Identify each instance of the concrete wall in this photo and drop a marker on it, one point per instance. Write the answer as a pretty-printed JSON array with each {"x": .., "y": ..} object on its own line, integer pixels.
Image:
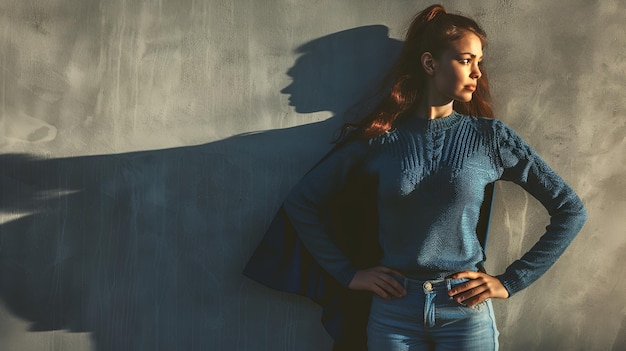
[{"x": 146, "y": 144}]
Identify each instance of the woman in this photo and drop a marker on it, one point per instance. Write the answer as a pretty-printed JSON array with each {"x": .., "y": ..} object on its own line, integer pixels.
[{"x": 431, "y": 158}]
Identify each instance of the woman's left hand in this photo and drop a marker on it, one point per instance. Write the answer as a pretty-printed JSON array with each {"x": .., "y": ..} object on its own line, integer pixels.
[{"x": 480, "y": 287}]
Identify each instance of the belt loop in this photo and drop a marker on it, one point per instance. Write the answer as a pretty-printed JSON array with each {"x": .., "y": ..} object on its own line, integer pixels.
[{"x": 405, "y": 283}]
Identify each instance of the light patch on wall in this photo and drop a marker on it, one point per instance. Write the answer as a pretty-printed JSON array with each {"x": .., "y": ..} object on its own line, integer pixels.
[
  {"x": 6, "y": 217},
  {"x": 28, "y": 129},
  {"x": 54, "y": 194}
]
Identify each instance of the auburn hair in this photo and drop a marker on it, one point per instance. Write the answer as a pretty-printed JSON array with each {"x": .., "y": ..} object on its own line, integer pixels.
[{"x": 404, "y": 86}]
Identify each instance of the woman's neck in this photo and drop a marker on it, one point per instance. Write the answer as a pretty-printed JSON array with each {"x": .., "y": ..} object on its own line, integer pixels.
[{"x": 433, "y": 111}]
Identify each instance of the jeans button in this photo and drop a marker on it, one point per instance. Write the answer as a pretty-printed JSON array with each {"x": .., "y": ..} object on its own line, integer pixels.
[{"x": 428, "y": 286}]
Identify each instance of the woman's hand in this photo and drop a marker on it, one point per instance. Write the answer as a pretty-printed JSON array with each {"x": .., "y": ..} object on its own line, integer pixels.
[
  {"x": 379, "y": 281},
  {"x": 480, "y": 287}
]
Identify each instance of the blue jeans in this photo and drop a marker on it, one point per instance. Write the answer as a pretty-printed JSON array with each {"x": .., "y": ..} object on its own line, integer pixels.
[{"x": 428, "y": 319}]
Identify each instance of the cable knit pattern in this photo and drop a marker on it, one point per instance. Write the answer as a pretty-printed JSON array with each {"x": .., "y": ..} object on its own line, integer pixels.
[{"x": 431, "y": 179}]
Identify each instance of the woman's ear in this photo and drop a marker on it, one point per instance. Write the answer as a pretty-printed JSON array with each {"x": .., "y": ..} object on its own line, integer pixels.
[{"x": 428, "y": 63}]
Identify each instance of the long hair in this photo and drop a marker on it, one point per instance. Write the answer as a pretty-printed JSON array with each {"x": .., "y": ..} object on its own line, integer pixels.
[{"x": 404, "y": 87}]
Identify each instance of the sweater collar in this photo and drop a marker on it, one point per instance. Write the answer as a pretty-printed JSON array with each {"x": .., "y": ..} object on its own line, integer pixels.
[{"x": 433, "y": 125}]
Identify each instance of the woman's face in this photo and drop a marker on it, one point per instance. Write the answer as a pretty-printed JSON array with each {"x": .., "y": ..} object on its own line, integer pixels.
[{"x": 457, "y": 70}]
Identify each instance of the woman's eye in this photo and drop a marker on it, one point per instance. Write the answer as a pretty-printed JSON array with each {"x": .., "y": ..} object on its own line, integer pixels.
[{"x": 465, "y": 61}]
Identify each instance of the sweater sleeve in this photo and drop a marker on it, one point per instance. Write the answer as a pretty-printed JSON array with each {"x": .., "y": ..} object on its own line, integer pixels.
[
  {"x": 304, "y": 207},
  {"x": 521, "y": 164}
]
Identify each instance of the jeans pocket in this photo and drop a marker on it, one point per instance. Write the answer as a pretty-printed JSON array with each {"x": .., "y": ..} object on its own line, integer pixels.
[
  {"x": 453, "y": 311},
  {"x": 477, "y": 307}
]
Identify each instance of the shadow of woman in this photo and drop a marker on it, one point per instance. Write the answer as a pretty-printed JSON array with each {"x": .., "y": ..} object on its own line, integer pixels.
[{"x": 145, "y": 249}]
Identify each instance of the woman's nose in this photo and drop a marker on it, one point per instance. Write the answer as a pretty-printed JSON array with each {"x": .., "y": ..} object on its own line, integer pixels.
[{"x": 476, "y": 73}]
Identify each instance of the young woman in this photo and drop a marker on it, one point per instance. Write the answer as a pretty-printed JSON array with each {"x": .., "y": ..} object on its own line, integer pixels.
[{"x": 431, "y": 149}]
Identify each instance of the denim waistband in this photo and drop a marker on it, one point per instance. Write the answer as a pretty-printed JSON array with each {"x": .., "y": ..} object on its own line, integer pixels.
[{"x": 426, "y": 286}]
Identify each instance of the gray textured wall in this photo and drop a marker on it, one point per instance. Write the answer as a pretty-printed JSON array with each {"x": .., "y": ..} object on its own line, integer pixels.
[{"x": 146, "y": 144}]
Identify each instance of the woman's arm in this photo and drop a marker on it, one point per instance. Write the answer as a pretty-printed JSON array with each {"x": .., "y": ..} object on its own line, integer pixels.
[
  {"x": 522, "y": 165},
  {"x": 305, "y": 205},
  {"x": 306, "y": 201}
]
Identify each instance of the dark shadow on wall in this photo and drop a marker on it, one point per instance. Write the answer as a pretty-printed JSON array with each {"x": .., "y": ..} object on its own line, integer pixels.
[{"x": 145, "y": 249}]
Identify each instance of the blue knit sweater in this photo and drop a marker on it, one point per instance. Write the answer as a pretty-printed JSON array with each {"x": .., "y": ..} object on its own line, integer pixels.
[{"x": 431, "y": 179}]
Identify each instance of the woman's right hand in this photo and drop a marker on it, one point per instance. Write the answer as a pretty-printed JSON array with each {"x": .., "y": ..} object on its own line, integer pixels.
[{"x": 379, "y": 281}]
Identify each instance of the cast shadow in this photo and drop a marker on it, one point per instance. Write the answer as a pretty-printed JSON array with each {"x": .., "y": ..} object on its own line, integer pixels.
[{"x": 145, "y": 249}]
